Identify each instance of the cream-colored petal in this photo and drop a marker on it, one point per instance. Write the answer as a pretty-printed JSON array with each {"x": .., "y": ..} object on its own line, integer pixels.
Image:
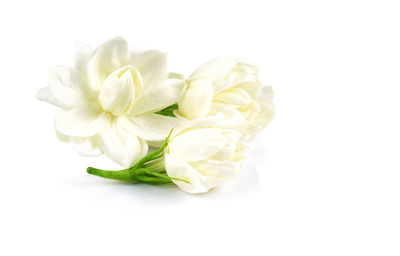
[
  {"x": 66, "y": 87},
  {"x": 244, "y": 66},
  {"x": 266, "y": 107},
  {"x": 159, "y": 97},
  {"x": 217, "y": 168},
  {"x": 233, "y": 118},
  {"x": 206, "y": 122},
  {"x": 215, "y": 69},
  {"x": 80, "y": 122},
  {"x": 196, "y": 101},
  {"x": 251, "y": 111},
  {"x": 236, "y": 97},
  {"x": 151, "y": 127},
  {"x": 178, "y": 168},
  {"x": 232, "y": 80},
  {"x": 230, "y": 113},
  {"x": 122, "y": 145},
  {"x": 152, "y": 65},
  {"x": 197, "y": 144},
  {"x": 62, "y": 137},
  {"x": 86, "y": 146},
  {"x": 82, "y": 56},
  {"x": 45, "y": 94},
  {"x": 118, "y": 91},
  {"x": 252, "y": 87},
  {"x": 105, "y": 59},
  {"x": 226, "y": 152}
]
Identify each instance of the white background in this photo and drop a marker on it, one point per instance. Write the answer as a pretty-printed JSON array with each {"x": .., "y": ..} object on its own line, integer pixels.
[{"x": 322, "y": 179}]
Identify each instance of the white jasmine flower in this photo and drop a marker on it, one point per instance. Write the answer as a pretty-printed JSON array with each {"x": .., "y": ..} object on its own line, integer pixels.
[
  {"x": 231, "y": 87},
  {"x": 203, "y": 154},
  {"x": 109, "y": 100}
]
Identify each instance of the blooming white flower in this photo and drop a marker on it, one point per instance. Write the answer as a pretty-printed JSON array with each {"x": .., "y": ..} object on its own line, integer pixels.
[
  {"x": 203, "y": 154},
  {"x": 109, "y": 100},
  {"x": 231, "y": 87}
]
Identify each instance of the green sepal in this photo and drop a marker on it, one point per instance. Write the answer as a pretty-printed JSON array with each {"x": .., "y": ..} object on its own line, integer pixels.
[
  {"x": 150, "y": 169},
  {"x": 168, "y": 111}
]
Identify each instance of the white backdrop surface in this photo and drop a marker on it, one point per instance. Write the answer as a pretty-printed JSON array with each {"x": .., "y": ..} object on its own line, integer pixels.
[{"x": 322, "y": 179}]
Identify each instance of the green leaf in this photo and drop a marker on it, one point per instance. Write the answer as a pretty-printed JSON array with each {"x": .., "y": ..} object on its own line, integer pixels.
[{"x": 168, "y": 111}]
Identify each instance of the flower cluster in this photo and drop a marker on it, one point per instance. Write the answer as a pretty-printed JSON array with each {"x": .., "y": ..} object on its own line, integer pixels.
[{"x": 125, "y": 104}]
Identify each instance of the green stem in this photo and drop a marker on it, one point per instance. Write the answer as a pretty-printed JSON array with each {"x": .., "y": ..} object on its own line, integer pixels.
[
  {"x": 156, "y": 154},
  {"x": 162, "y": 175},
  {"x": 156, "y": 165},
  {"x": 150, "y": 169},
  {"x": 123, "y": 175},
  {"x": 154, "y": 180}
]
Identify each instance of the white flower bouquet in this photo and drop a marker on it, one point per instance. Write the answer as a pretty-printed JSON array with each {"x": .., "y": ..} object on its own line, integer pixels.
[{"x": 125, "y": 104}]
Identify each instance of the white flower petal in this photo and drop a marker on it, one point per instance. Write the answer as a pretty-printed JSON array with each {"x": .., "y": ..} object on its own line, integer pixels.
[
  {"x": 86, "y": 146},
  {"x": 196, "y": 101},
  {"x": 229, "y": 112},
  {"x": 252, "y": 88},
  {"x": 208, "y": 122},
  {"x": 266, "y": 107},
  {"x": 233, "y": 118},
  {"x": 62, "y": 137},
  {"x": 232, "y": 80},
  {"x": 266, "y": 93},
  {"x": 215, "y": 69},
  {"x": 81, "y": 123},
  {"x": 159, "y": 97},
  {"x": 217, "y": 168},
  {"x": 239, "y": 98},
  {"x": 226, "y": 152},
  {"x": 197, "y": 144},
  {"x": 46, "y": 95},
  {"x": 152, "y": 65},
  {"x": 118, "y": 91},
  {"x": 244, "y": 66},
  {"x": 82, "y": 55},
  {"x": 178, "y": 168},
  {"x": 66, "y": 87},
  {"x": 152, "y": 127},
  {"x": 105, "y": 59},
  {"x": 122, "y": 145}
]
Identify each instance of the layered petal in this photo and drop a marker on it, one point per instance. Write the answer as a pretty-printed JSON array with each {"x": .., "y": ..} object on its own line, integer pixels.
[
  {"x": 86, "y": 146},
  {"x": 62, "y": 137},
  {"x": 230, "y": 113},
  {"x": 206, "y": 157},
  {"x": 237, "y": 94},
  {"x": 196, "y": 101},
  {"x": 159, "y": 97},
  {"x": 81, "y": 122},
  {"x": 82, "y": 56},
  {"x": 217, "y": 169},
  {"x": 232, "y": 80},
  {"x": 151, "y": 127},
  {"x": 122, "y": 145},
  {"x": 178, "y": 168},
  {"x": 234, "y": 96},
  {"x": 106, "y": 59},
  {"x": 252, "y": 88},
  {"x": 206, "y": 122},
  {"x": 119, "y": 90},
  {"x": 152, "y": 65},
  {"x": 215, "y": 69},
  {"x": 267, "y": 108},
  {"x": 197, "y": 144},
  {"x": 46, "y": 95},
  {"x": 66, "y": 87}
]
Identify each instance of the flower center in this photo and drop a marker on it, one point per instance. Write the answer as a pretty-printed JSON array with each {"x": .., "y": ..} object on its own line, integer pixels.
[{"x": 120, "y": 90}]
